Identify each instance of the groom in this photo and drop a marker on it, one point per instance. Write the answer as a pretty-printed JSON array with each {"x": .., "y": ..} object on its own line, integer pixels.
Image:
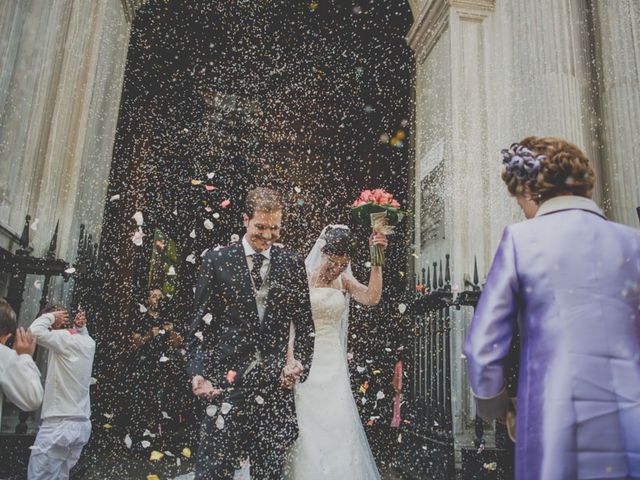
[{"x": 246, "y": 299}]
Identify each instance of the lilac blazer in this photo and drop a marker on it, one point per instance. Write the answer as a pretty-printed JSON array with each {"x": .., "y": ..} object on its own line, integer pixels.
[{"x": 571, "y": 280}]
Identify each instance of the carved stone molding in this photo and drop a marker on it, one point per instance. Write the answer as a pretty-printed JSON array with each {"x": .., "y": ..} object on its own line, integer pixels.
[{"x": 434, "y": 17}]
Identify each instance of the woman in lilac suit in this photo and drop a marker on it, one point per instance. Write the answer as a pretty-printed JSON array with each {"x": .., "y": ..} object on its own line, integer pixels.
[{"x": 570, "y": 280}]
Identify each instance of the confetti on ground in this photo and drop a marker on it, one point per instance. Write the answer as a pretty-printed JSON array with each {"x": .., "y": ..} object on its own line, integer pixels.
[{"x": 155, "y": 456}]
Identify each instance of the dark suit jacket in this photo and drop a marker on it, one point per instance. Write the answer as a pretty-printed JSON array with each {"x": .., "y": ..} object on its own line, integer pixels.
[{"x": 234, "y": 334}]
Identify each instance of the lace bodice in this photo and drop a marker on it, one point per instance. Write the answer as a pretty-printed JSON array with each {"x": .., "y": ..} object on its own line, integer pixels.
[{"x": 328, "y": 306}]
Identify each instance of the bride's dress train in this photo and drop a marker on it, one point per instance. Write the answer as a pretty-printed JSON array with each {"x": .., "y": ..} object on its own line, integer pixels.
[{"x": 332, "y": 443}]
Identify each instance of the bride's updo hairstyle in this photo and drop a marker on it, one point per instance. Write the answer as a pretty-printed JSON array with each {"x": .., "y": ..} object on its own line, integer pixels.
[
  {"x": 339, "y": 242},
  {"x": 547, "y": 167}
]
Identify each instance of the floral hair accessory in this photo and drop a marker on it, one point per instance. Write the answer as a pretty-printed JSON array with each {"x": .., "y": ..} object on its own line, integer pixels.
[{"x": 522, "y": 162}]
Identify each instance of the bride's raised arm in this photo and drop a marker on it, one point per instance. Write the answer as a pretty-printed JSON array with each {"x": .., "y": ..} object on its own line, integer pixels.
[{"x": 367, "y": 294}]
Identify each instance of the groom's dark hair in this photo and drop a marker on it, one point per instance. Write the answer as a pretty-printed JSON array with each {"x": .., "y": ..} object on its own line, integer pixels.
[{"x": 262, "y": 199}]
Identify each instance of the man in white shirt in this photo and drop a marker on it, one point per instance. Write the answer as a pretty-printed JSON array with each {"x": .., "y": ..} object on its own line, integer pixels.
[
  {"x": 66, "y": 409},
  {"x": 19, "y": 376}
]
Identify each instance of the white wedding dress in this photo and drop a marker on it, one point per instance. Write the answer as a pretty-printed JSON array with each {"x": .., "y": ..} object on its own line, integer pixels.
[{"x": 332, "y": 444}]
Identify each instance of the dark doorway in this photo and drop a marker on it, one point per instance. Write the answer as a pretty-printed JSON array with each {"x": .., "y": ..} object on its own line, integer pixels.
[{"x": 312, "y": 98}]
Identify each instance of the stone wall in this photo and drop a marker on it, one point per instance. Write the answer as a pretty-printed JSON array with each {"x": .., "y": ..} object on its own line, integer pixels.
[
  {"x": 490, "y": 72},
  {"x": 60, "y": 86}
]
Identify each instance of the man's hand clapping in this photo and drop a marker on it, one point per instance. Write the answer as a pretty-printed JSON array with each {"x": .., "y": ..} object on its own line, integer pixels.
[
  {"x": 60, "y": 319},
  {"x": 24, "y": 343}
]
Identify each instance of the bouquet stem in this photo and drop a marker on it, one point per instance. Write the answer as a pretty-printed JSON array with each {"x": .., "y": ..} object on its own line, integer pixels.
[{"x": 377, "y": 255}]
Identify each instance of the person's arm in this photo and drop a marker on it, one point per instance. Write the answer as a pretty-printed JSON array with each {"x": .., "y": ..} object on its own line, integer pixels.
[
  {"x": 55, "y": 340},
  {"x": 489, "y": 338},
  {"x": 20, "y": 379},
  {"x": 367, "y": 294}
]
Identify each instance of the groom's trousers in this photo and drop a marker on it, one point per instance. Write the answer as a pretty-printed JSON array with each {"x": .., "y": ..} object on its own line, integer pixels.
[{"x": 250, "y": 430}]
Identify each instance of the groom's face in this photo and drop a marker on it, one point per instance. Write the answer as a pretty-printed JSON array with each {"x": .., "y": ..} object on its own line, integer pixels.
[{"x": 263, "y": 229}]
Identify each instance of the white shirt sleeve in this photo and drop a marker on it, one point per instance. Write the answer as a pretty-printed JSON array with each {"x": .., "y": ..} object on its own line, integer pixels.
[
  {"x": 55, "y": 340},
  {"x": 20, "y": 379}
]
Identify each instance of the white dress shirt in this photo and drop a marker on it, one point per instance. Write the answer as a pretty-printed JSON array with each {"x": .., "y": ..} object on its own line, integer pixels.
[
  {"x": 19, "y": 380},
  {"x": 249, "y": 251},
  {"x": 66, "y": 389}
]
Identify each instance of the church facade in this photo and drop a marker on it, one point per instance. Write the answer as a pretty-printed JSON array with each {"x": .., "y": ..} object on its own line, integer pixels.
[{"x": 487, "y": 73}]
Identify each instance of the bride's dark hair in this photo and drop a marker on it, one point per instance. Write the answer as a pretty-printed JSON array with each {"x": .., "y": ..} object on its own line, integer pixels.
[{"x": 339, "y": 242}]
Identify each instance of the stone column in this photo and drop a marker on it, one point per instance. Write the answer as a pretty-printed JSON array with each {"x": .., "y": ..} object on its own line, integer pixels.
[
  {"x": 452, "y": 94},
  {"x": 60, "y": 87},
  {"x": 617, "y": 24}
]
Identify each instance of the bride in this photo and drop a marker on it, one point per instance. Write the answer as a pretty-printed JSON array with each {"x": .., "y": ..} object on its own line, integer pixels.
[{"x": 332, "y": 443}]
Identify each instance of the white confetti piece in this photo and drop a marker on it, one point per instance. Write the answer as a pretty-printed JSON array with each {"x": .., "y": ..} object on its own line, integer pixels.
[
  {"x": 193, "y": 233},
  {"x": 259, "y": 400},
  {"x": 127, "y": 441},
  {"x": 225, "y": 408},
  {"x": 297, "y": 189},
  {"x": 212, "y": 410},
  {"x": 108, "y": 416},
  {"x": 93, "y": 381},
  {"x": 70, "y": 270},
  {"x": 168, "y": 453},
  {"x": 380, "y": 395},
  {"x": 164, "y": 359},
  {"x": 363, "y": 400},
  {"x": 145, "y": 443},
  {"x": 172, "y": 271},
  {"x": 147, "y": 433},
  {"x": 191, "y": 258},
  {"x": 199, "y": 336},
  {"x": 138, "y": 218},
  {"x": 220, "y": 422},
  {"x": 142, "y": 308},
  {"x": 402, "y": 308},
  {"x": 210, "y": 175},
  {"x": 38, "y": 284},
  {"x": 114, "y": 197},
  {"x": 207, "y": 318},
  {"x": 361, "y": 369},
  {"x": 208, "y": 224},
  {"x": 166, "y": 416},
  {"x": 216, "y": 215}
]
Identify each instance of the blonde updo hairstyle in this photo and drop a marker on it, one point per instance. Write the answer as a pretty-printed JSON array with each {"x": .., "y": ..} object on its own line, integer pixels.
[{"x": 564, "y": 170}]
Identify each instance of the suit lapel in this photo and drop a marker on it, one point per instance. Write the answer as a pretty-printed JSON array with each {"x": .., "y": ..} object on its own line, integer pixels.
[{"x": 242, "y": 284}]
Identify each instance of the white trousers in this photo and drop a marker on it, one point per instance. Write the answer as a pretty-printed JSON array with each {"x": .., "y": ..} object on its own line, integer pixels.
[{"x": 57, "y": 448}]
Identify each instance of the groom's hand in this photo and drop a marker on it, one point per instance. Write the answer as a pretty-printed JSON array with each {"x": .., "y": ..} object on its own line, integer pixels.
[{"x": 291, "y": 373}]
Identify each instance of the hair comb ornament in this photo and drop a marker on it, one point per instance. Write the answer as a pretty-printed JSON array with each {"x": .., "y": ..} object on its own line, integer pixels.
[{"x": 522, "y": 162}]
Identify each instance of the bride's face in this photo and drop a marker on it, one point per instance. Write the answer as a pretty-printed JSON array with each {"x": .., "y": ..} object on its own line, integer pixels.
[{"x": 333, "y": 265}]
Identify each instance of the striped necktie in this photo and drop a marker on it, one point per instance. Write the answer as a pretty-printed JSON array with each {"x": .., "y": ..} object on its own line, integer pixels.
[{"x": 258, "y": 259}]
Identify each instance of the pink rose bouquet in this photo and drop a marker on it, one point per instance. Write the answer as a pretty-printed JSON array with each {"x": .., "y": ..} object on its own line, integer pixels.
[{"x": 380, "y": 211}]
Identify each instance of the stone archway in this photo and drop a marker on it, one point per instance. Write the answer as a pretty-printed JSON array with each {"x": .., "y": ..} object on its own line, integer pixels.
[{"x": 299, "y": 100}]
